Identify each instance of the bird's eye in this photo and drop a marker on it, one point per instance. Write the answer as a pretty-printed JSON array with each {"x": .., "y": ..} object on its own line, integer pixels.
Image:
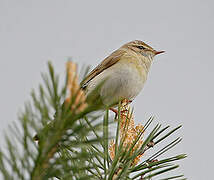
[{"x": 141, "y": 47}]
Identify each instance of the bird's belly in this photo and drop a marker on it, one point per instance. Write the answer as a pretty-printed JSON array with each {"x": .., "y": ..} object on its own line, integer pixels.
[{"x": 122, "y": 81}]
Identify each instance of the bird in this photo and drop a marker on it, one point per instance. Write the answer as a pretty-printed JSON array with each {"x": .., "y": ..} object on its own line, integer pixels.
[{"x": 122, "y": 74}]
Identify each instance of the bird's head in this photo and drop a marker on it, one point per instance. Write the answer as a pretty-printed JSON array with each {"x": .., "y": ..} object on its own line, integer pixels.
[{"x": 141, "y": 48}]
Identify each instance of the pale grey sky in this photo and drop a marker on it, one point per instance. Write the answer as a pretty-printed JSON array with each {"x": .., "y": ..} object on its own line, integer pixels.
[{"x": 180, "y": 86}]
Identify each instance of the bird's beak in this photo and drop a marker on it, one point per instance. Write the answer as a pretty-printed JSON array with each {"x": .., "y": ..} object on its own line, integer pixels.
[{"x": 158, "y": 52}]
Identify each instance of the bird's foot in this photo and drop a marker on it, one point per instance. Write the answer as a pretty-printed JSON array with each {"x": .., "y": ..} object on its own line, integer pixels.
[{"x": 122, "y": 113}]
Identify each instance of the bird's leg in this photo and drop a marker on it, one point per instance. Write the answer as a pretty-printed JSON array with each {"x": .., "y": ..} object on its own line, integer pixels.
[
  {"x": 116, "y": 112},
  {"x": 124, "y": 104}
]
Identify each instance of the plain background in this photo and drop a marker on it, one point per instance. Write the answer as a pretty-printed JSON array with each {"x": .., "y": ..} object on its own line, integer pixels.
[{"x": 180, "y": 86}]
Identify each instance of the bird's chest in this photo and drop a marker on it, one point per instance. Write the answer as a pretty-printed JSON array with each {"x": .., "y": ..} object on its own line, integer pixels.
[{"x": 124, "y": 80}]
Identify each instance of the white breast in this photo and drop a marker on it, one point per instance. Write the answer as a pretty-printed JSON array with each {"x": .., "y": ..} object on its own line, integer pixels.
[{"x": 122, "y": 81}]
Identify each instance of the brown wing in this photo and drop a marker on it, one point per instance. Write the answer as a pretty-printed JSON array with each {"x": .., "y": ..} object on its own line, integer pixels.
[{"x": 107, "y": 62}]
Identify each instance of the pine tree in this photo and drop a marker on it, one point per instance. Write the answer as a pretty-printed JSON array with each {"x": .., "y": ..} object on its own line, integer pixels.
[{"x": 75, "y": 138}]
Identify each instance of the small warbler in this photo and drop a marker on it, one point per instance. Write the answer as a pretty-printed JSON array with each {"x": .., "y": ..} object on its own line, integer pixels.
[{"x": 123, "y": 73}]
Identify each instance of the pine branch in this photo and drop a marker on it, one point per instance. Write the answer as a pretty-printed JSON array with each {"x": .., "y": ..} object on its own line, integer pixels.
[{"x": 75, "y": 143}]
